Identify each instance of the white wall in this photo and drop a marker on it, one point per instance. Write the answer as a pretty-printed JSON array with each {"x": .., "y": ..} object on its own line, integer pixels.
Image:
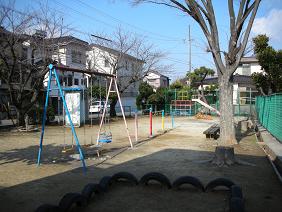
[
  {"x": 127, "y": 67},
  {"x": 255, "y": 67},
  {"x": 65, "y": 58}
]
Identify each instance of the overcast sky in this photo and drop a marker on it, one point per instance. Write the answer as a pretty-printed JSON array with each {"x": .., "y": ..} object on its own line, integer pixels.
[{"x": 165, "y": 27}]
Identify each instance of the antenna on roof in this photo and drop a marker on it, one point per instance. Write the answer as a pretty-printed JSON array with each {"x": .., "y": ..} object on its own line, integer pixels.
[{"x": 96, "y": 36}]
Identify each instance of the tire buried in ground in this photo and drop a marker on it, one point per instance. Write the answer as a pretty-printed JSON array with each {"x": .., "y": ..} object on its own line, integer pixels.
[
  {"x": 188, "y": 180},
  {"x": 71, "y": 200},
  {"x": 162, "y": 179},
  {"x": 219, "y": 182},
  {"x": 105, "y": 183},
  {"x": 125, "y": 176},
  {"x": 90, "y": 189},
  {"x": 236, "y": 205},
  {"x": 48, "y": 208},
  {"x": 236, "y": 191}
]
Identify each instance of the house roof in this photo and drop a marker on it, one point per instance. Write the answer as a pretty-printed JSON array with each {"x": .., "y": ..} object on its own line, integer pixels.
[
  {"x": 64, "y": 40},
  {"x": 248, "y": 60},
  {"x": 115, "y": 52},
  {"x": 240, "y": 79},
  {"x": 157, "y": 73}
]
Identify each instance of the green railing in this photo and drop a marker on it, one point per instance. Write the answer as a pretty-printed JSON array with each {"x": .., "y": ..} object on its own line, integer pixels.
[{"x": 269, "y": 113}]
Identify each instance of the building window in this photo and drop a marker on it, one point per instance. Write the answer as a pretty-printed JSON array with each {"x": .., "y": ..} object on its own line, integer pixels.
[
  {"x": 65, "y": 82},
  {"x": 69, "y": 80},
  {"x": 76, "y": 82},
  {"x": 76, "y": 56},
  {"x": 246, "y": 69},
  {"x": 61, "y": 80},
  {"x": 164, "y": 83},
  {"x": 107, "y": 63}
]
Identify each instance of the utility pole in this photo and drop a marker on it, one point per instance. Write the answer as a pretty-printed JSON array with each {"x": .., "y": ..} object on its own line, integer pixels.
[{"x": 190, "y": 49}]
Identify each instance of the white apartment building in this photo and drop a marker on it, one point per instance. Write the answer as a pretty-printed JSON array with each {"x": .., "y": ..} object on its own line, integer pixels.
[
  {"x": 108, "y": 60},
  {"x": 70, "y": 52},
  {"x": 243, "y": 84}
]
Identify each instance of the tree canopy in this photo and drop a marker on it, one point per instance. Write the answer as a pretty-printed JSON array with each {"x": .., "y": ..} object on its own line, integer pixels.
[
  {"x": 145, "y": 90},
  {"x": 197, "y": 78},
  {"x": 199, "y": 75},
  {"x": 270, "y": 80}
]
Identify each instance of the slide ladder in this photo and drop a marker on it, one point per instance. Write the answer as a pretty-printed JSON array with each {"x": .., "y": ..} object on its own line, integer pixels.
[{"x": 206, "y": 105}]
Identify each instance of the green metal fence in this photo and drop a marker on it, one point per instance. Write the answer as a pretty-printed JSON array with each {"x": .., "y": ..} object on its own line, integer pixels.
[{"x": 269, "y": 113}]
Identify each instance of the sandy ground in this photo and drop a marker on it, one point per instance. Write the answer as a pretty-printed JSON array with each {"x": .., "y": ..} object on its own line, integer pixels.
[{"x": 24, "y": 186}]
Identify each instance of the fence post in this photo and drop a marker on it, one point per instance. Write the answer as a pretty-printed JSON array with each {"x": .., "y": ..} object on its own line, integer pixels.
[
  {"x": 136, "y": 126},
  {"x": 172, "y": 120},
  {"x": 151, "y": 123},
  {"x": 162, "y": 120}
]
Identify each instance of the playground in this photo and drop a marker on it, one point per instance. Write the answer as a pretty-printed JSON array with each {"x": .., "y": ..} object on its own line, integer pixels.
[
  {"x": 159, "y": 144},
  {"x": 174, "y": 152}
]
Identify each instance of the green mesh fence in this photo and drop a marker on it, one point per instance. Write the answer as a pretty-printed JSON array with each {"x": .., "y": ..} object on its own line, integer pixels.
[{"x": 269, "y": 113}]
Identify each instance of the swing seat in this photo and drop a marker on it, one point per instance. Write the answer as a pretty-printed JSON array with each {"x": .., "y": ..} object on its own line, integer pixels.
[{"x": 105, "y": 137}]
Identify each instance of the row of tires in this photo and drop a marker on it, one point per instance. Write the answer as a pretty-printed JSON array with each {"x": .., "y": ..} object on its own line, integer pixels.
[{"x": 71, "y": 200}]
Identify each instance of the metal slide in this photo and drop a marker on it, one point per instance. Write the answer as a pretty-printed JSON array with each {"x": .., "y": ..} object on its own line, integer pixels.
[{"x": 206, "y": 105}]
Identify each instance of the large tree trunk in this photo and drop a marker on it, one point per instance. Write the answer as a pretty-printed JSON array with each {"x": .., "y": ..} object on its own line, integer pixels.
[
  {"x": 224, "y": 153},
  {"x": 112, "y": 107},
  {"x": 20, "y": 117}
]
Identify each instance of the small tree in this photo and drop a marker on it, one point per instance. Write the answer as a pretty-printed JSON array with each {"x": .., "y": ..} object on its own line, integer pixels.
[
  {"x": 270, "y": 80},
  {"x": 145, "y": 90},
  {"x": 158, "y": 99},
  {"x": 197, "y": 78},
  {"x": 176, "y": 85}
]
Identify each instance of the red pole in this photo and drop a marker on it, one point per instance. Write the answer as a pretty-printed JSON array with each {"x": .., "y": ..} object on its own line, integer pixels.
[{"x": 151, "y": 123}]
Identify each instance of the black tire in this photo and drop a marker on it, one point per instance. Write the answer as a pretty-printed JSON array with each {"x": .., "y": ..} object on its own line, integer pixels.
[
  {"x": 105, "y": 183},
  {"x": 125, "y": 176},
  {"x": 236, "y": 191},
  {"x": 162, "y": 179},
  {"x": 90, "y": 189},
  {"x": 70, "y": 200},
  {"x": 219, "y": 182},
  {"x": 47, "y": 208},
  {"x": 188, "y": 180},
  {"x": 236, "y": 205}
]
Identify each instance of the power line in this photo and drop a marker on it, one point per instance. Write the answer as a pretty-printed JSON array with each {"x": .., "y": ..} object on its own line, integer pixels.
[
  {"x": 91, "y": 18},
  {"x": 126, "y": 23}
]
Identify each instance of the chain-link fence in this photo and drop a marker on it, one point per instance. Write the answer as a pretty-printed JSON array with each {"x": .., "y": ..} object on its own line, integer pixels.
[{"x": 269, "y": 113}]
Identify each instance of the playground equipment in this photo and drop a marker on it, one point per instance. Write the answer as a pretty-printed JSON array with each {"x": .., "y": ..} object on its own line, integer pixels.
[
  {"x": 52, "y": 72},
  {"x": 107, "y": 137},
  {"x": 181, "y": 107},
  {"x": 206, "y": 105},
  {"x": 162, "y": 121},
  {"x": 151, "y": 123},
  {"x": 136, "y": 126}
]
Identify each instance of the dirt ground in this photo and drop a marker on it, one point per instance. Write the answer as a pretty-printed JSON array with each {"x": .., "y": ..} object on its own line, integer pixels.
[{"x": 179, "y": 152}]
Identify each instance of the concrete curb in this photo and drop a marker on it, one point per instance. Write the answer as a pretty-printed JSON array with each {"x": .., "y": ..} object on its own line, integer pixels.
[{"x": 272, "y": 147}]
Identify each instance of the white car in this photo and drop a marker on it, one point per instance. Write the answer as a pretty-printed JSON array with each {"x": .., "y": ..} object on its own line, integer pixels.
[{"x": 97, "y": 107}]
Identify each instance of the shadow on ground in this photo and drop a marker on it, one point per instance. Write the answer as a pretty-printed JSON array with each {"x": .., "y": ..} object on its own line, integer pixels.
[
  {"x": 261, "y": 189},
  {"x": 28, "y": 155}
]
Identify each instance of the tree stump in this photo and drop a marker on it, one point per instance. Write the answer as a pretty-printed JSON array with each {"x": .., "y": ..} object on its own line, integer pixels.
[{"x": 224, "y": 155}]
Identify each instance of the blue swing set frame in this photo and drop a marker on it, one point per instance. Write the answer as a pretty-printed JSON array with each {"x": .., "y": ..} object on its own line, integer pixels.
[{"x": 52, "y": 72}]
